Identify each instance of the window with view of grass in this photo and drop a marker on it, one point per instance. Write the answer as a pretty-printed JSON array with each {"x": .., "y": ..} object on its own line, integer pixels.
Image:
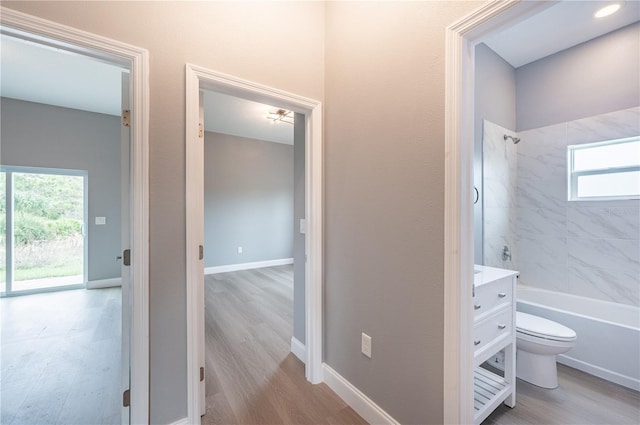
[{"x": 604, "y": 171}]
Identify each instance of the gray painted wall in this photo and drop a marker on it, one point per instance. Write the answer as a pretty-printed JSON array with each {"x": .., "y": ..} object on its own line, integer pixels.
[
  {"x": 592, "y": 78},
  {"x": 38, "y": 135},
  {"x": 495, "y": 100},
  {"x": 248, "y": 200},
  {"x": 384, "y": 194},
  {"x": 299, "y": 257}
]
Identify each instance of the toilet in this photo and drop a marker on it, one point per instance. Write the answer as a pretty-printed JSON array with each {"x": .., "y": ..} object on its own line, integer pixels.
[{"x": 538, "y": 341}]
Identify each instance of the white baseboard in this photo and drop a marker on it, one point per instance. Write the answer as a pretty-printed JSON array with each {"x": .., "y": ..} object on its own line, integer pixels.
[
  {"x": 247, "y": 266},
  {"x": 183, "y": 421},
  {"x": 370, "y": 412},
  {"x": 104, "y": 283},
  {"x": 298, "y": 349},
  {"x": 609, "y": 375}
]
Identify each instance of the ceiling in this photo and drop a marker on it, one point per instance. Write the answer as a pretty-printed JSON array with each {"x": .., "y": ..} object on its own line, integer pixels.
[
  {"x": 558, "y": 27},
  {"x": 52, "y": 76},
  {"x": 44, "y": 74}
]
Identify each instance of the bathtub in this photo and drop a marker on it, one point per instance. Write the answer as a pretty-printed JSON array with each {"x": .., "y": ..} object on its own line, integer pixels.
[{"x": 608, "y": 344}]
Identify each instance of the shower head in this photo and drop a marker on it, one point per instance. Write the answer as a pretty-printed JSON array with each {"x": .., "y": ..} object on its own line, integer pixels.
[{"x": 515, "y": 140}]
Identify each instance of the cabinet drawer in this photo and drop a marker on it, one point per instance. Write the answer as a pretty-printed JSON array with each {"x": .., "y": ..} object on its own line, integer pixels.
[
  {"x": 492, "y": 295},
  {"x": 492, "y": 329}
]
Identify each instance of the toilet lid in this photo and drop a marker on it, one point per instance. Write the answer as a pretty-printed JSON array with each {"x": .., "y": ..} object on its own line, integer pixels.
[{"x": 543, "y": 328}]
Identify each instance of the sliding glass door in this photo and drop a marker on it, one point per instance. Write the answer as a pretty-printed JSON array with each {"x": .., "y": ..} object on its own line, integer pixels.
[{"x": 44, "y": 241}]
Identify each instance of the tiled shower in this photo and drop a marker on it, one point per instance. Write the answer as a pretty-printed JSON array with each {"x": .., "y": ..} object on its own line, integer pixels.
[{"x": 584, "y": 248}]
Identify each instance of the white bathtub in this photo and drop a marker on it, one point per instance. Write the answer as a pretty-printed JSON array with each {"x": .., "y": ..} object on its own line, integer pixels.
[{"x": 608, "y": 342}]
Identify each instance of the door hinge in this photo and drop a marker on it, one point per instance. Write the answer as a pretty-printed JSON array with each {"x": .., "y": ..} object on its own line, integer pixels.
[
  {"x": 200, "y": 252},
  {"x": 126, "y": 257},
  {"x": 126, "y": 398},
  {"x": 200, "y": 130},
  {"x": 126, "y": 117},
  {"x": 201, "y": 374}
]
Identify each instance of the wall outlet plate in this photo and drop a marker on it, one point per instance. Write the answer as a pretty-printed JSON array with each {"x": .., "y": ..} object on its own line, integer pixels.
[
  {"x": 239, "y": 250},
  {"x": 366, "y": 345}
]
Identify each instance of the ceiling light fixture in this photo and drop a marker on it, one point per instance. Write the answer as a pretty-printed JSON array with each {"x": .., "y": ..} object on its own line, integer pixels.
[
  {"x": 607, "y": 10},
  {"x": 281, "y": 115}
]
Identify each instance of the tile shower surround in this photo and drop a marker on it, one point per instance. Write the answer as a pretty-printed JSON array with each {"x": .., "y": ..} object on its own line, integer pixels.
[{"x": 586, "y": 248}]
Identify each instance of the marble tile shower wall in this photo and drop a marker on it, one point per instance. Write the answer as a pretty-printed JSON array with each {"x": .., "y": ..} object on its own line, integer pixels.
[
  {"x": 590, "y": 248},
  {"x": 499, "y": 180}
]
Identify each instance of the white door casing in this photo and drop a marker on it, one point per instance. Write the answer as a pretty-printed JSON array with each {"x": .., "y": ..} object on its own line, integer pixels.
[
  {"x": 125, "y": 143},
  {"x": 42, "y": 31},
  {"x": 198, "y": 78},
  {"x": 201, "y": 331}
]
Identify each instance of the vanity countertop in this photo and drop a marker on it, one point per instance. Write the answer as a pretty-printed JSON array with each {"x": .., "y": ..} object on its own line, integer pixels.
[{"x": 486, "y": 274}]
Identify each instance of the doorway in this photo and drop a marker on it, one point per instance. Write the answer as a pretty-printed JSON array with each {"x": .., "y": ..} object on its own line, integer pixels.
[
  {"x": 485, "y": 25},
  {"x": 58, "y": 38},
  {"x": 203, "y": 79}
]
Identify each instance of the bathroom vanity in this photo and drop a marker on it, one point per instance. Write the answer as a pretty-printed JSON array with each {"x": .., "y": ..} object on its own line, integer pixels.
[{"x": 494, "y": 321}]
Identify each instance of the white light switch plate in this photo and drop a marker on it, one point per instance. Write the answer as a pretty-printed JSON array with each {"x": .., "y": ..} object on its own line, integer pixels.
[
  {"x": 303, "y": 226},
  {"x": 101, "y": 220}
]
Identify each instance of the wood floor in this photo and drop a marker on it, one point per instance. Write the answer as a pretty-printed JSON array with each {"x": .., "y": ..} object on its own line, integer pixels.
[
  {"x": 60, "y": 359},
  {"x": 252, "y": 378},
  {"x": 581, "y": 399}
]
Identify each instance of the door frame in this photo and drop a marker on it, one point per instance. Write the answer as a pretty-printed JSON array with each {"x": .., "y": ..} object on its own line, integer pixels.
[
  {"x": 136, "y": 59},
  {"x": 199, "y": 78},
  {"x": 461, "y": 38}
]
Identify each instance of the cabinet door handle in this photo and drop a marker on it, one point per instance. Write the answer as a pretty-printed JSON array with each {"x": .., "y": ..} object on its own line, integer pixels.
[
  {"x": 502, "y": 326},
  {"x": 502, "y": 294},
  {"x": 476, "y": 342},
  {"x": 477, "y": 306}
]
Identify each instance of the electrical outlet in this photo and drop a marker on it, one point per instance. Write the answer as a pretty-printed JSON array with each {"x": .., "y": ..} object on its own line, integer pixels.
[
  {"x": 239, "y": 250},
  {"x": 366, "y": 345}
]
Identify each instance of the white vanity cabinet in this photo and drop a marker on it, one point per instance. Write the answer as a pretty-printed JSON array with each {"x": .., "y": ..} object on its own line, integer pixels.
[{"x": 494, "y": 321}]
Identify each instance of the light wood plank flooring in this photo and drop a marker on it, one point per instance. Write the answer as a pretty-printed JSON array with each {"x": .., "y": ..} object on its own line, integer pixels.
[
  {"x": 252, "y": 378},
  {"x": 581, "y": 399},
  {"x": 60, "y": 359}
]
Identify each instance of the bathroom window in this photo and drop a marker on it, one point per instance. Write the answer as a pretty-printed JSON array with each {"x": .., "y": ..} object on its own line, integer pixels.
[{"x": 605, "y": 170}]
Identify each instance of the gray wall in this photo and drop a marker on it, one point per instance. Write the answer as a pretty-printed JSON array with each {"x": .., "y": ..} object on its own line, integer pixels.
[
  {"x": 604, "y": 78},
  {"x": 38, "y": 135},
  {"x": 384, "y": 151},
  {"x": 248, "y": 200},
  {"x": 299, "y": 256},
  {"x": 495, "y": 100}
]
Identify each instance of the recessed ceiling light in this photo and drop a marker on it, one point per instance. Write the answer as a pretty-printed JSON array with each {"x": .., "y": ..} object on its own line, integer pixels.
[{"x": 607, "y": 10}]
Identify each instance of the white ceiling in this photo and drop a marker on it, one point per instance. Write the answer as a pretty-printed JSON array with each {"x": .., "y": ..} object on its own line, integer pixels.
[
  {"x": 559, "y": 27},
  {"x": 238, "y": 117},
  {"x": 43, "y": 74},
  {"x": 52, "y": 76}
]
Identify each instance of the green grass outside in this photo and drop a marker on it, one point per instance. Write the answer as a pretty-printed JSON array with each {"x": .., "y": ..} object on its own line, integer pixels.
[{"x": 57, "y": 258}]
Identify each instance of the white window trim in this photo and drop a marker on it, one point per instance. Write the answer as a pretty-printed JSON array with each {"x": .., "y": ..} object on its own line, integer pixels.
[{"x": 572, "y": 176}]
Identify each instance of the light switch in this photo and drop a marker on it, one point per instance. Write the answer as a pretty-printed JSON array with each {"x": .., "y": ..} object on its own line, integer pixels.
[
  {"x": 101, "y": 220},
  {"x": 303, "y": 226}
]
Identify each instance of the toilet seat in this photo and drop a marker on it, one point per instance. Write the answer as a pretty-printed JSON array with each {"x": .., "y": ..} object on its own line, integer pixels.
[{"x": 540, "y": 327}]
